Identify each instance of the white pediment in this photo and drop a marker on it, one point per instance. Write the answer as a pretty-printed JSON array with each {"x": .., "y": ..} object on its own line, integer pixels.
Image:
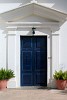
[
  {"x": 32, "y": 14},
  {"x": 31, "y": 9}
]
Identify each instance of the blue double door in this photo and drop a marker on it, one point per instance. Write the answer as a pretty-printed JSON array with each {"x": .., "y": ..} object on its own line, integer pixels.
[{"x": 33, "y": 60}]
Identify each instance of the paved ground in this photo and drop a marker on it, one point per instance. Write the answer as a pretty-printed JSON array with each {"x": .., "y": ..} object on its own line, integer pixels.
[{"x": 33, "y": 94}]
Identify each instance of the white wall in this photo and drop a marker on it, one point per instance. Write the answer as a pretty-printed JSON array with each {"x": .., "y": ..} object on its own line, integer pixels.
[
  {"x": 63, "y": 46},
  {"x": 2, "y": 49}
]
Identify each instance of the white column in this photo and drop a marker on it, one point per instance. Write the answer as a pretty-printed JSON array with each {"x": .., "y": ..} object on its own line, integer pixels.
[
  {"x": 7, "y": 50},
  {"x": 18, "y": 59},
  {"x": 55, "y": 51},
  {"x": 11, "y": 57},
  {"x": 49, "y": 67},
  {"x": 55, "y": 55},
  {"x": 51, "y": 57}
]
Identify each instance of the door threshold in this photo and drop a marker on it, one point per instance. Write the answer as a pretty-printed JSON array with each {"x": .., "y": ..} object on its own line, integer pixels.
[{"x": 33, "y": 87}]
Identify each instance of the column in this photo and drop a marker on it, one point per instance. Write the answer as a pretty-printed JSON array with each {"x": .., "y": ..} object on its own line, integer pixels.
[{"x": 11, "y": 56}]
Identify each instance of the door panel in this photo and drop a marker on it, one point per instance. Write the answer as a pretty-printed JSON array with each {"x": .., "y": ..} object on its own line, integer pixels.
[
  {"x": 26, "y": 62},
  {"x": 40, "y": 79},
  {"x": 26, "y": 79},
  {"x": 40, "y": 67},
  {"x": 26, "y": 43},
  {"x": 33, "y": 61}
]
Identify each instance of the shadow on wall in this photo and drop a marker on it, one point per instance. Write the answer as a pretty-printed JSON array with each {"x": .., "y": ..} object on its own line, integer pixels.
[
  {"x": 52, "y": 83},
  {"x": 42, "y": 31},
  {"x": 38, "y": 31},
  {"x": 58, "y": 4}
]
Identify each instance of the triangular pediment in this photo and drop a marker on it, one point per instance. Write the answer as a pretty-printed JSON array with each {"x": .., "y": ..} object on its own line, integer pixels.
[
  {"x": 32, "y": 12},
  {"x": 33, "y": 9}
]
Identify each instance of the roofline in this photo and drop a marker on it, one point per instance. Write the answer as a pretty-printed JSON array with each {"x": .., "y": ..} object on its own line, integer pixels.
[
  {"x": 52, "y": 9},
  {"x": 38, "y": 5}
]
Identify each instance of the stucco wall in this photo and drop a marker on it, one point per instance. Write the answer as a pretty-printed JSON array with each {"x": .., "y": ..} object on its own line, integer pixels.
[
  {"x": 2, "y": 49},
  {"x": 63, "y": 46}
]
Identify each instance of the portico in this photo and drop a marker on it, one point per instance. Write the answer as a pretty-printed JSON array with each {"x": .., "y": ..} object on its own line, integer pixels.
[{"x": 19, "y": 23}]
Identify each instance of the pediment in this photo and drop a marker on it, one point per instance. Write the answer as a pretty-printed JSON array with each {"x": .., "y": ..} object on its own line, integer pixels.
[
  {"x": 33, "y": 9},
  {"x": 32, "y": 12}
]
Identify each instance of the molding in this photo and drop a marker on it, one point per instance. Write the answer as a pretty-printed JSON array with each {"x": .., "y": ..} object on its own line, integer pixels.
[
  {"x": 31, "y": 23},
  {"x": 11, "y": 34},
  {"x": 15, "y": 26}
]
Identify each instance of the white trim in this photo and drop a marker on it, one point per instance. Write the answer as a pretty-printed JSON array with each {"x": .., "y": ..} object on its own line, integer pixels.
[
  {"x": 7, "y": 50},
  {"x": 24, "y": 24},
  {"x": 54, "y": 26},
  {"x": 18, "y": 61},
  {"x": 39, "y": 32}
]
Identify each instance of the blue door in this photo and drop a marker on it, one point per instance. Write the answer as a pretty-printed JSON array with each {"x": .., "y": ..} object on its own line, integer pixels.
[{"x": 33, "y": 61}]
